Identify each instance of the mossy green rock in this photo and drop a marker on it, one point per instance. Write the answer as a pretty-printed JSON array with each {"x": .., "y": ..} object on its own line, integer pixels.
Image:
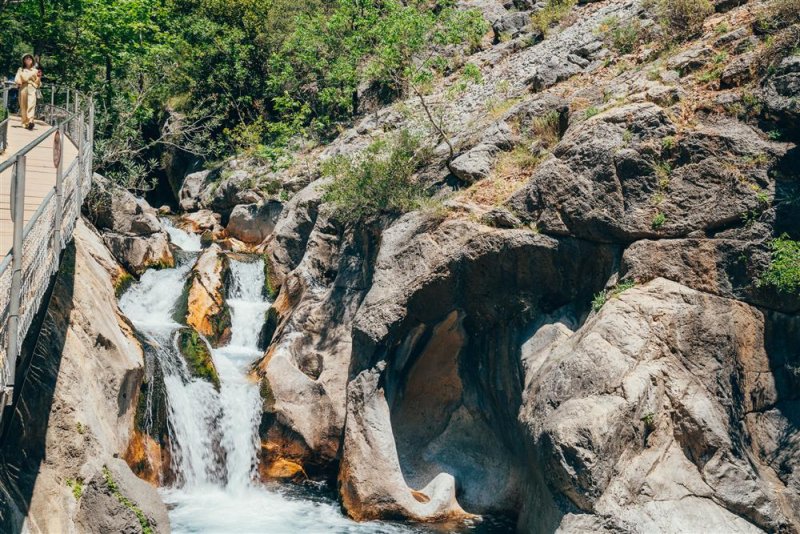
[{"x": 198, "y": 356}]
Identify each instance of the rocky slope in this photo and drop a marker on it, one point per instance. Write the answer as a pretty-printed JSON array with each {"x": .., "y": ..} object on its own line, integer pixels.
[{"x": 450, "y": 361}]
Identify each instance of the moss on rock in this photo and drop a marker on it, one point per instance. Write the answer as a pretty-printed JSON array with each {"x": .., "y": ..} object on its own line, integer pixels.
[
  {"x": 198, "y": 356},
  {"x": 270, "y": 291}
]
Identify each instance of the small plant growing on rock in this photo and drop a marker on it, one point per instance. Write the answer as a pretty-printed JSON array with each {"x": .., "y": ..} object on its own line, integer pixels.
[
  {"x": 591, "y": 112},
  {"x": 126, "y": 502},
  {"x": 683, "y": 19},
  {"x": 668, "y": 143},
  {"x": 658, "y": 220},
  {"x": 553, "y": 12},
  {"x": 649, "y": 420},
  {"x": 783, "y": 272},
  {"x": 604, "y": 296},
  {"x": 663, "y": 171},
  {"x": 622, "y": 37},
  {"x": 547, "y": 128},
  {"x": 76, "y": 485}
]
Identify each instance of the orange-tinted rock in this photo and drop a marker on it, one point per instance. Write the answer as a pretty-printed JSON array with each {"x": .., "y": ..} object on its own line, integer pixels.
[{"x": 206, "y": 309}]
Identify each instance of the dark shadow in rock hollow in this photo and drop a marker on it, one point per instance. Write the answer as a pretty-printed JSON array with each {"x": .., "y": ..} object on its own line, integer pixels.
[{"x": 22, "y": 443}]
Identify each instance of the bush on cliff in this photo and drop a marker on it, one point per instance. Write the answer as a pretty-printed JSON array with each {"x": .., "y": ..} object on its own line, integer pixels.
[
  {"x": 378, "y": 181},
  {"x": 683, "y": 19},
  {"x": 783, "y": 272}
]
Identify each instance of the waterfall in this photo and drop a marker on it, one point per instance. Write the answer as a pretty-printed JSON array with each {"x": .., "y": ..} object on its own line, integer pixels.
[
  {"x": 213, "y": 435},
  {"x": 187, "y": 241}
]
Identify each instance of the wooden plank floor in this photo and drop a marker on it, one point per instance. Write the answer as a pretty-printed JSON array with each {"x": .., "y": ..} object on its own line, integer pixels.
[{"x": 40, "y": 175}]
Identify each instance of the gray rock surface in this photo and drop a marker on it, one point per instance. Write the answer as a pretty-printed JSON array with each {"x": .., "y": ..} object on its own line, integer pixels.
[
  {"x": 253, "y": 223},
  {"x": 76, "y": 411},
  {"x": 130, "y": 226}
]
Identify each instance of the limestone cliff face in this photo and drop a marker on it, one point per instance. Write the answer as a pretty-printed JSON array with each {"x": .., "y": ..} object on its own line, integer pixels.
[
  {"x": 454, "y": 362},
  {"x": 61, "y": 448}
]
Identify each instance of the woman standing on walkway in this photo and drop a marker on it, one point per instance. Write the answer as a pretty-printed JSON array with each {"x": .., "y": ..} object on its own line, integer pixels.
[{"x": 28, "y": 82}]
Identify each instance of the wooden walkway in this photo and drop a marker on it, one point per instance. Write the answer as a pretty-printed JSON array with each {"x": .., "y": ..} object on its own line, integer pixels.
[{"x": 40, "y": 175}]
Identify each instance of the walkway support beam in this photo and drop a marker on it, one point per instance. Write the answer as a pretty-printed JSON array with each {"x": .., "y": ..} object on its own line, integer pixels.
[{"x": 18, "y": 216}]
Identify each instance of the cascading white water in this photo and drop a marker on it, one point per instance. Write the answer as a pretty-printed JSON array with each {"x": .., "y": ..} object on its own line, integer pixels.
[
  {"x": 216, "y": 491},
  {"x": 187, "y": 241}
]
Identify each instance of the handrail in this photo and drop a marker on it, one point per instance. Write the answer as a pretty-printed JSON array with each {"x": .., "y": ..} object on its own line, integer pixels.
[{"x": 25, "y": 272}]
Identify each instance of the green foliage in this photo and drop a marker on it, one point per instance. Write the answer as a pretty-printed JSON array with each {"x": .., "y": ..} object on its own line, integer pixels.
[
  {"x": 553, "y": 12},
  {"x": 378, "y": 181},
  {"x": 649, "y": 420},
  {"x": 126, "y": 502},
  {"x": 599, "y": 299},
  {"x": 591, "y": 112},
  {"x": 683, "y": 19},
  {"x": 76, "y": 485},
  {"x": 658, "y": 220},
  {"x": 232, "y": 76},
  {"x": 783, "y": 272},
  {"x": 623, "y": 37}
]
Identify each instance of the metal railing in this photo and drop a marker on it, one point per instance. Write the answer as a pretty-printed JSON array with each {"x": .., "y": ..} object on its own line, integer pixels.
[{"x": 25, "y": 272}]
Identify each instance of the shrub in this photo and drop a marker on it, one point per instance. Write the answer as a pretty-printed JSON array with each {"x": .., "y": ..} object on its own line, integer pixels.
[
  {"x": 547, "y": 128},
  {"x": 658, "y": 220},
  {"x": 624, "y": 38},
  {"x": 553, "y": 12},
  {"x": 683, "y": 19},
  {"x": 783, "y": 272},
  {"x": 379, "y": 181},
  {"x": 591, "y": 112}
]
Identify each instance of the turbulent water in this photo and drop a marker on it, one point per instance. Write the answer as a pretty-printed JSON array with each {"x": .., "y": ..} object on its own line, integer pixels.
[{"x": 214, "y": 435}]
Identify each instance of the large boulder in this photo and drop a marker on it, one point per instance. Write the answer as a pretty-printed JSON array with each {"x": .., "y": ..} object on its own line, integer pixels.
[
  {"x": 138, "y": 253},
  {"x": 253, "y": 223},
  {"x": 75, "y": 413},
  {"x": 641, "y": 415},
  {"x": 371, "y": 482},
  {"x": 130, "y": 226},
  {"x": 218, "y": 189},
  {"x": 205, "y": 309},
  {"x": 625, "y": 175}
]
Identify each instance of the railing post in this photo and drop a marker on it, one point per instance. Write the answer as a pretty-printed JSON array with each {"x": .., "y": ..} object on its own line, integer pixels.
[
  {"x": 59, "y": 208},
  {"x": 18, "y": 215},
  {"x": 5, "y": 96}
]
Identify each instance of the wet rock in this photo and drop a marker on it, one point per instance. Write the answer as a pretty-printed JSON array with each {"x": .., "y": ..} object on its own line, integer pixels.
[
  {"x": 205, "y": 309},
  {"x": 201, "y": 221},
  {"x": 139, "y": 253},
  {"x": 253, "y": 223},
  {"x": 197, "y": 355}
]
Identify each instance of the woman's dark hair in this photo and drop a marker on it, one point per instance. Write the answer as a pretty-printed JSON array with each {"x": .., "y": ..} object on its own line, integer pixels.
[{"x": 26, "y": 56}]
